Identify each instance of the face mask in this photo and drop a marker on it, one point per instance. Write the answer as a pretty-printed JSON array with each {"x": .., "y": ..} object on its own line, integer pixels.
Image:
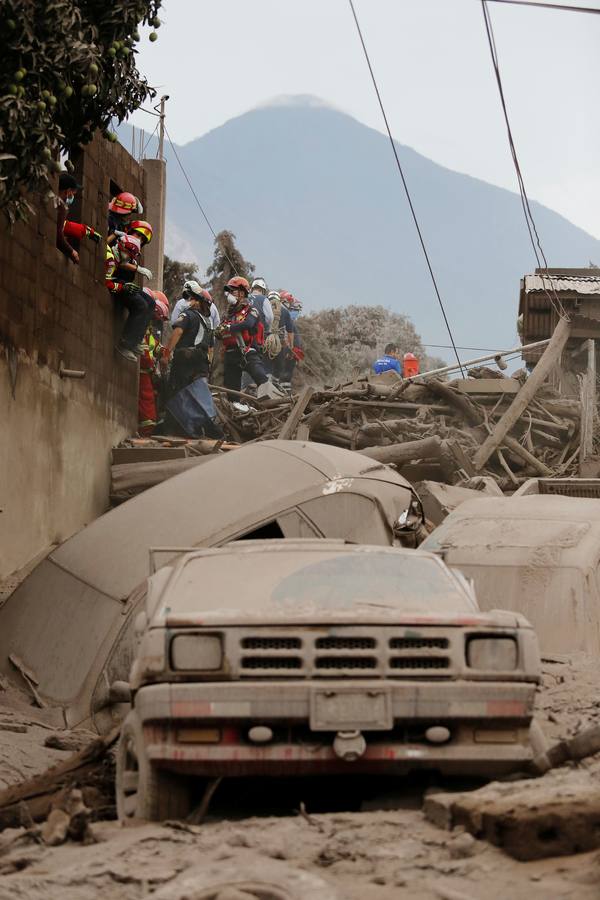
[
  {"x": 69, "y": 201},
  {"x": 231, "y": 299}
]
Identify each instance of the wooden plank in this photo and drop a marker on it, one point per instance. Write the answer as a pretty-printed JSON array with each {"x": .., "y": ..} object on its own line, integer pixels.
[
  {"x": 122, "y": 455},
  {"x": 588, "y": 406},
  {"x": 487, "y": 385},
  {"x": 291, "y": 423},
  {"x": 548, "y": 360}
]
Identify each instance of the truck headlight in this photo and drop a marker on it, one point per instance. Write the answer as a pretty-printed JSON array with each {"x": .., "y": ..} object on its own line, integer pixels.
[
  {"x": 492, "y": 654},
  {"x": 196, "y": 652}
]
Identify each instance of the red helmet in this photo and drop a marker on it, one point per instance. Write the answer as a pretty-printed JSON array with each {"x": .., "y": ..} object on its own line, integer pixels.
[
  {"x": 286, "y": 297},
  {"x": 142, "y": 229},
  {"x": 161, "y": 306},
  {"x": 129, "y": 245},
  {"x": 124, "y": 204},
  {"x": 238, "y": 282}
]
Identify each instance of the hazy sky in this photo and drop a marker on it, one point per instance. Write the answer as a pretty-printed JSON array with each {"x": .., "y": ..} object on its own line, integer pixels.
[{"x": 431, "y": 58}]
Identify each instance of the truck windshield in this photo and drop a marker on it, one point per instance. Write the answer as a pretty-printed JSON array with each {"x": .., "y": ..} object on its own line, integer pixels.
[{"x": 294, "y": 580}]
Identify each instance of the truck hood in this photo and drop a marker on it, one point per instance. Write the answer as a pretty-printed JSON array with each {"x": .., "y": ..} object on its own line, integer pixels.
[{"x": 366, "y": 615}]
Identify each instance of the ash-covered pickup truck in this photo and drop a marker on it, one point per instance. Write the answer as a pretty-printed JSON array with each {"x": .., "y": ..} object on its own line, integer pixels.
[{"x": 288, "y": 657}]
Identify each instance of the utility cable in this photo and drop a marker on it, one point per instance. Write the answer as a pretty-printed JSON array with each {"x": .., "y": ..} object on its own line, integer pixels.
[
  {"x": 200, "y": 207},
  {"x": 559, "y": 6},
  {"x": 405, "y": 185},
  {"x": 531, "y": 226}
]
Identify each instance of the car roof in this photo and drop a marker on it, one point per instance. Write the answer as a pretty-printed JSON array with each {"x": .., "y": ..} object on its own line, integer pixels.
[{"x": 111, "y": 553}]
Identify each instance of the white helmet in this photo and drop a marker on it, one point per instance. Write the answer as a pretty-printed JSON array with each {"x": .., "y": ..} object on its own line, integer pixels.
[
  {"x": 260, "y": 283},
  {"x": 191, "y": 287}
]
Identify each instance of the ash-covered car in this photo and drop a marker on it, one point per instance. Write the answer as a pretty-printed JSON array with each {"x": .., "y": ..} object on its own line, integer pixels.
[{"x": 288, "y": 657}]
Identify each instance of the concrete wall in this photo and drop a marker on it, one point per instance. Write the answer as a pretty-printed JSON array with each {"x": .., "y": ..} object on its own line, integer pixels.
[{"x": 56, "y": 433}]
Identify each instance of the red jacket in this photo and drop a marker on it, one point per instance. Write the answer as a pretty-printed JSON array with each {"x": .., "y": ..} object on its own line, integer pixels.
[{"x": 247, "y": 323}]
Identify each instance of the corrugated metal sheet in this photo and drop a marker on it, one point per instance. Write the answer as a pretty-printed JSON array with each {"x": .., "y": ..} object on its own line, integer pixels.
[{"x": 573, "y": 284}]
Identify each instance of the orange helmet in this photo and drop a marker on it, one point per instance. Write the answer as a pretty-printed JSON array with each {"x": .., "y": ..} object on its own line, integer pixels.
[
  {"x": 142, "y": 229},
  {"x": 124, "y": 204},
  {"x": 161, "y": 306},
  {"x": 237, "y": 282}
]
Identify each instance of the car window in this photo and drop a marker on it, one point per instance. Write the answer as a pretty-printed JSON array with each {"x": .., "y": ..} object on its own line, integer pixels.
[
  {"x": 355, "y": 518},
  {"x": 287, "y": 580}
]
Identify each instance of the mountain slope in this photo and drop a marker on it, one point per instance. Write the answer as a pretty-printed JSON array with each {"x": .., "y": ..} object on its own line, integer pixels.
[{"x": 316, "y": 203}]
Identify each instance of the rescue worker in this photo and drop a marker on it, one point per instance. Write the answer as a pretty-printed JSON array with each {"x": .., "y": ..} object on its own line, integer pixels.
[
  {"x": 260, "y": 301},
  {"x": 149, "y": 380},
  {"x": 390, "y": 361},
  {"x": 190, "y": 402},
  {"x": 190, "y": 288},
  {"x": 280, "y": 341},
  {"x": 242, "y": 334},
  {"x": 67, "y": 190},
  {"x": 121, "y": 210},
  {"x": 122, "y": 265},
  {"x": 293, "y": 352}
]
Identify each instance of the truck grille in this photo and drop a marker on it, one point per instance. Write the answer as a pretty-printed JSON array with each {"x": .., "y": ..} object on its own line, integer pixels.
[{"x": 362, "y": 652}]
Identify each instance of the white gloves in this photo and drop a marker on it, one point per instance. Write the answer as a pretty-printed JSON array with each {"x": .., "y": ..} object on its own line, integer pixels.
[{"x": 145, "y": 272}]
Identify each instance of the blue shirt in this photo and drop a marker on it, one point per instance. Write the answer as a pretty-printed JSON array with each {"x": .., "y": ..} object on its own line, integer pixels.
[{"x": 385, "y": 363}]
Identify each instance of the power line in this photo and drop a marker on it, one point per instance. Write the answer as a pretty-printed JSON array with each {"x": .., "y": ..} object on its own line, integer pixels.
[
  {"x": 200, "y": 207},
  {"x": 559, "y": 6},
  {"x": 531, "y": 226},
  {"x": 449, "y": 347},
  {"x": 405, "y": 185}
]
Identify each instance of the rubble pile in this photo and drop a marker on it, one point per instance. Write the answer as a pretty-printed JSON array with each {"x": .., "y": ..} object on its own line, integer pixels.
[{"x": 429, "y": 430}]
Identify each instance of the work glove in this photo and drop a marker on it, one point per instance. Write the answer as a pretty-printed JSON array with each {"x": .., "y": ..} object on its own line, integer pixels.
[
  {"x": 221, "y": 331},
  {"x": 92, "y": 234},
  {"x": 145, "y": 272},
  {"x": 298, "y": 354},
  {"x": 130, "y": 288}
]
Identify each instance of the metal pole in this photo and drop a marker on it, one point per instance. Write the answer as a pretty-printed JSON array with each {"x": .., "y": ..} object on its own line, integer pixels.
[
  {"x": 161, "y": 129},
  {"x": 472, "y": 362}
]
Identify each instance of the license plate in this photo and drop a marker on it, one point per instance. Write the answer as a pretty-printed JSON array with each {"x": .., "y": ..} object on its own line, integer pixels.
[{"x": 351, "y": 710}]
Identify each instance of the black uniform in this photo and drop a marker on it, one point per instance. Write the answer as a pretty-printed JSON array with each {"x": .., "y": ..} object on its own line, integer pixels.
[{"x": 190, "y": 359}]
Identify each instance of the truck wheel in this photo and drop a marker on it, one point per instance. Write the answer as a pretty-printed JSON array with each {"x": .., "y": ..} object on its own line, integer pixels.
[{"x": 143, "y": 790}]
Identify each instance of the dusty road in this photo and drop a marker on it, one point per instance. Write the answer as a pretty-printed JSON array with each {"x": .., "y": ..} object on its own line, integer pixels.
[{"x": 378, "y": 854}]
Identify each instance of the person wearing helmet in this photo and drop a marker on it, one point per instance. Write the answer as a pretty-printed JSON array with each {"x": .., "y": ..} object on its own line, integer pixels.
[
  {"x": 65, "y": 228},
  {"x": 140, "y": 229},
  {"x": 121, "y": 210},
  {"x": 121, "y": 268},
  {"x": 191, "y": 288},
  {"x": 242, "y": 333},
  {"x": 292, "y": 352},
  {"x": 149, "y": 383},
  {"x": 190, "y": 405},
  {"x": 260, "y": 301}
]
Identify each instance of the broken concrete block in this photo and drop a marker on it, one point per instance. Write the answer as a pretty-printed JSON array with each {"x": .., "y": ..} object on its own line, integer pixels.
[{"x": 441, "y": 499}]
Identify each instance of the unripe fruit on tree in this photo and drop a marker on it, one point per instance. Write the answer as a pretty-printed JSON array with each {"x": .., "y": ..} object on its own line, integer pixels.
[
  {"x": 111, "y": 52},
  {"x": 153, "y": 36},
  {"x": 136, "y": 35},
  {"x": 156, "y": 22},
  {"x": 41, "y": 106},
  {"x": 20, "y": 74},
  {"x": 12, "y": 89},
  {"x": 52, "y": 100},
  {"x": 125, "y": 51},
  {"x": 47, "y": 153},
  {"x": 112, "y": 137},
  {"x": 68, "y": 91},
  {"x": 11, "y": 24},
  {"x": 93, "y": 70},
  {"x": 92, "y": 90},
  {"x": 45, "y": 94}
]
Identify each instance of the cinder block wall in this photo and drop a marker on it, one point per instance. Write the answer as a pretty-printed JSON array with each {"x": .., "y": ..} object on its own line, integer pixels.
[{"x": 56, "y": 433}]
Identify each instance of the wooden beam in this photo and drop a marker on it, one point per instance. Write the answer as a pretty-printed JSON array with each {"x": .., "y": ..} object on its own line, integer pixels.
[
  {"x": 588, "y": 405},
  {"x": 291, "y": 423},
  {"x": 547, "y": 361},
  {"x": 487, "y": 385}
]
